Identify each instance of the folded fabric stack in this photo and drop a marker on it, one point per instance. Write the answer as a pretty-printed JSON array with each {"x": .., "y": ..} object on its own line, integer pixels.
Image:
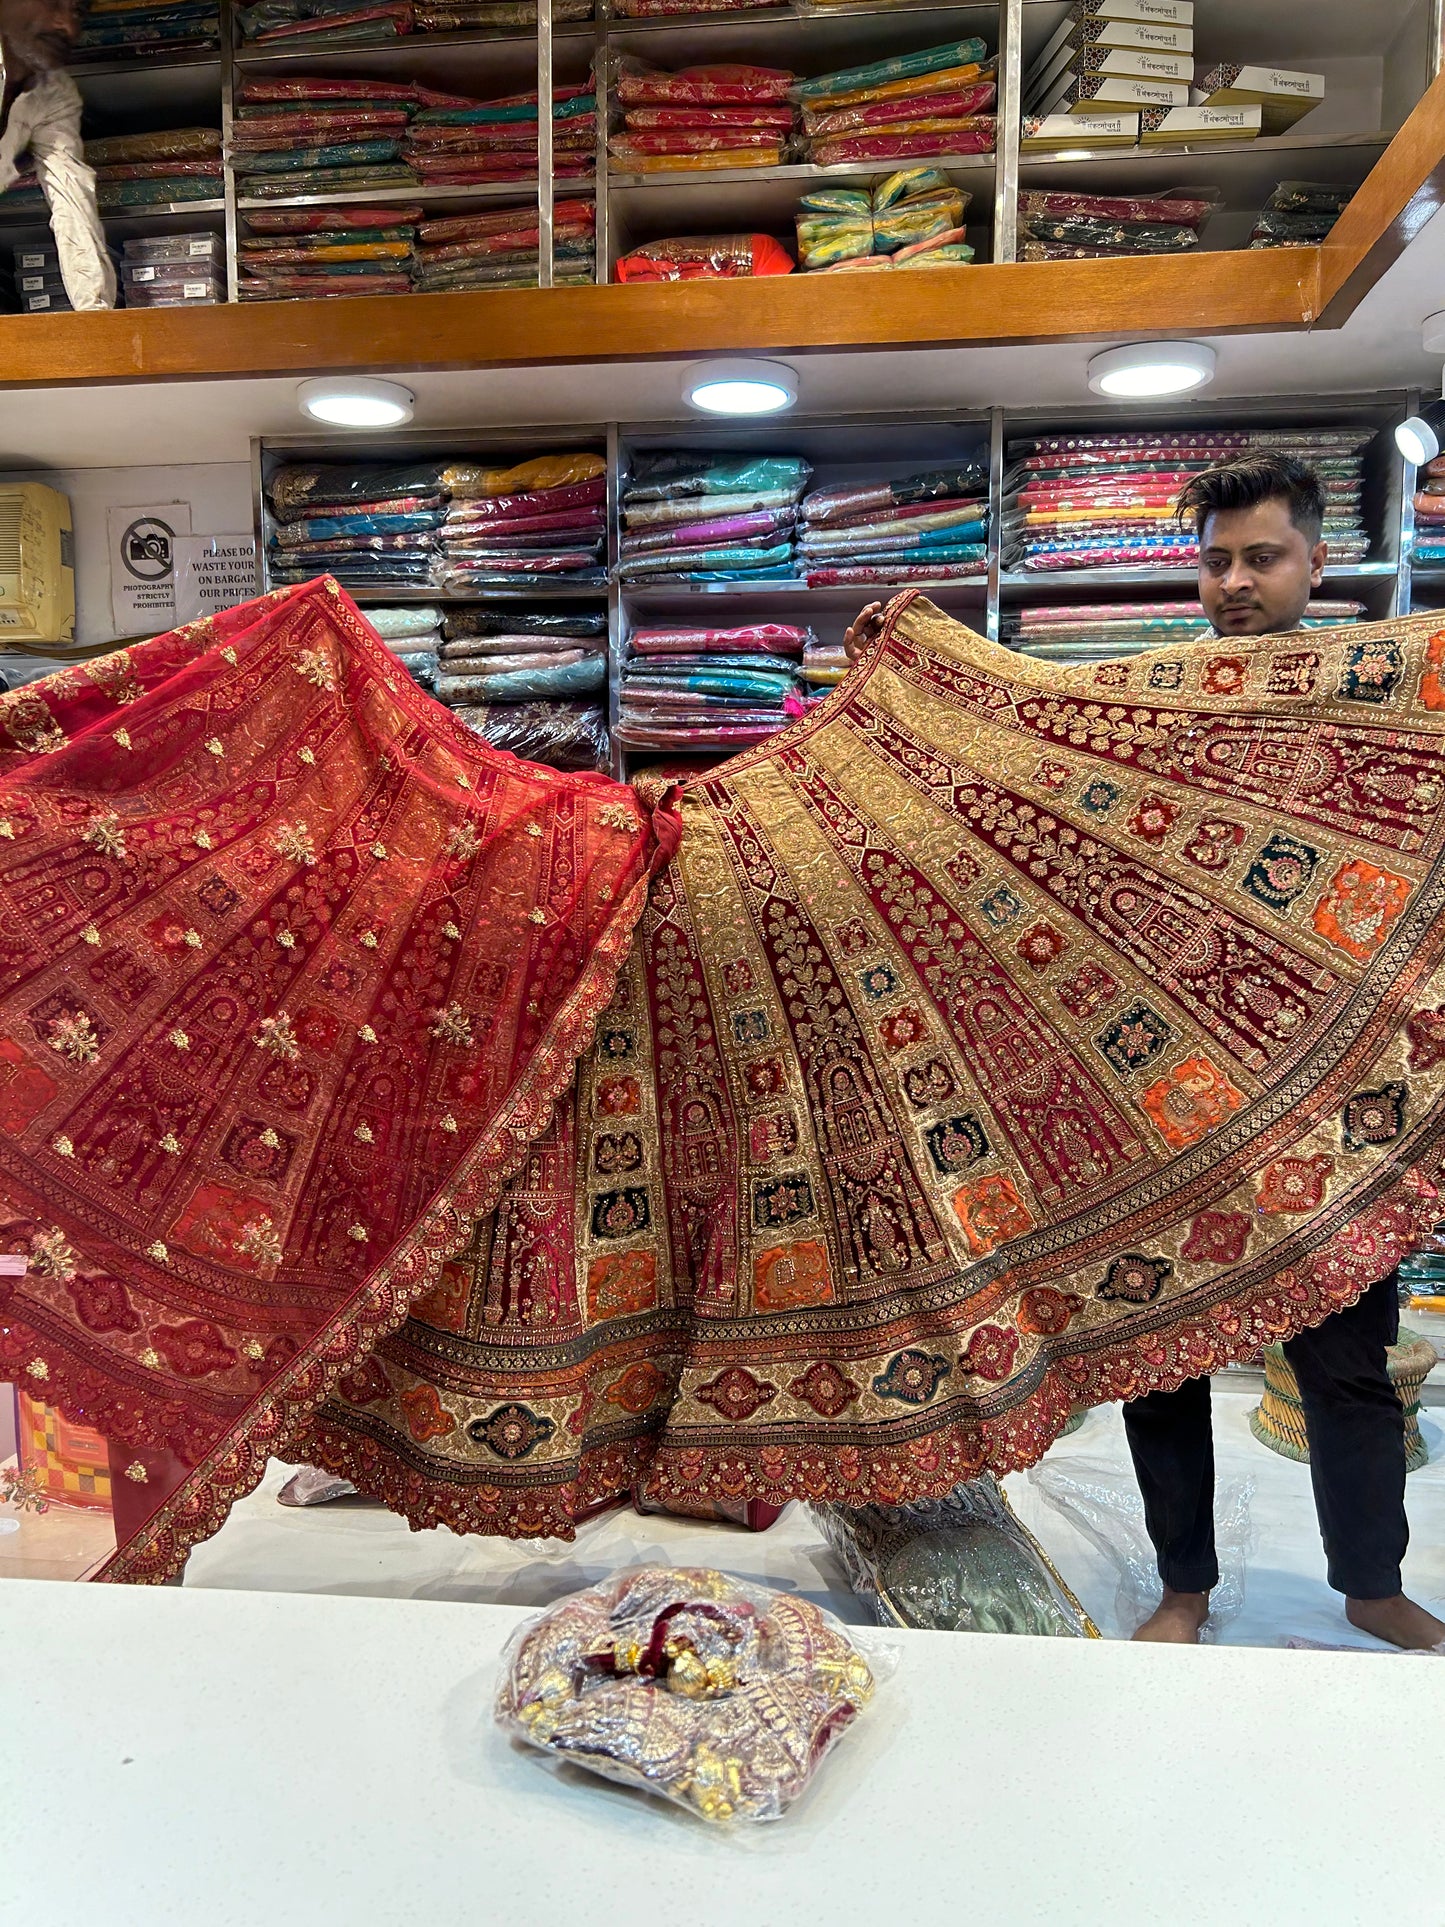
[
  {"x": 370, "y": 526},
  {"x": 459, "y": 143},
  {"x": 1081, "y": 227},
  {"x": 934, "y": 102},
  {"x": 707, "y": 257},
  {"x": 291, "y": 253},
  {"x": 173, "y": 270},
  {"x": 1300, "y": 214},
  {"x": 825, "y": 664},
  {"x": 127, "y": 29},
  {"x": 413, "y": 636},
  {"x": 310, "y": 134},
  {"x": 500, "y": 250},
  {"x": 723, "y": 116},
  {"x": 1091, "y": 632},
  {"x": 709, "y": 688},
  {"x": 539, "y": 523},
  {"x": 1430, "y": 513},
  {"x": 1107, "y": 501},
  {"x": 912, "y": 218},
  {"x": 701, "y": 518},
  {"x": 916, "y": 528},
  {"x": 659, "y": 9},
  {"x": 143, "y": 171},
  {"x": 529, "y": 680},
  {"x": 335, "y": 25}
]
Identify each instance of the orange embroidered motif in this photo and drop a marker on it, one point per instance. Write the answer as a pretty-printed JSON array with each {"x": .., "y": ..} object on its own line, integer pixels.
[
  {"x": 1432, "y": 688},
  {"x": 1359, "y": 907},
  {"x": 276, "y": 1035},
  {"x": 1295, "y": 1184},
  {"x": 638, "y": 1389},
  {"x": 621, "y": 1284},
  {"x": 788, "y": 1276},
  {"x": 1189, "y": 1101},
  {"x": 445, "y": 1305},
  {"x": 25, "y": 1089},
  {"x": 991, "y": 1213},
  {"x": 425, "y": 1415}
]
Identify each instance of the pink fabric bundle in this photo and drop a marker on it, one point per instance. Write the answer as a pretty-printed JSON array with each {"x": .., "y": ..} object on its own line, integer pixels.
[{"x": 756, "y": 638}]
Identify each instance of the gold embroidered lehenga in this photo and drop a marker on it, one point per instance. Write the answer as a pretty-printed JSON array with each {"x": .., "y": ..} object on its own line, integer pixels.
[{"x": 1001, "y": 1036}]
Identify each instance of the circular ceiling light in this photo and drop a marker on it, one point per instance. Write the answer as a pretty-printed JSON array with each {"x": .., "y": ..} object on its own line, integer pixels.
[
  {"x": 1146, "y": 368},
  {"x": 740, "y": 387},
  {"x": 1418, "y": 438},
  {"x": 356, "y": 401}
]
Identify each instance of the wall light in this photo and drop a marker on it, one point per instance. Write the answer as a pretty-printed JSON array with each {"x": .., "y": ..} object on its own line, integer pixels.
[
  {"x": 356, "y": 401},
  {"x": 1421, "y": 437},
  {"x": 1144, "y": 368},
  {"x": 740, "y": 387}
]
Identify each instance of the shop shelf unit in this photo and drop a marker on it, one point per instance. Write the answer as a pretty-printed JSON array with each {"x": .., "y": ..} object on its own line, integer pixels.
[{"x": 1377, "y": 59}]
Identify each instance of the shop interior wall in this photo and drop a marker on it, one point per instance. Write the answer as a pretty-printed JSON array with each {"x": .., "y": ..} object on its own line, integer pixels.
[{"x": 219, "y": 495}]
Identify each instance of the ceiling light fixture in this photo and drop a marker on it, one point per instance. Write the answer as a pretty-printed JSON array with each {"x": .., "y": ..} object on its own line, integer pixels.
[
  {"x": 740, "y": 387},
  {"x": 356, "y": 401},
  {"x": 1141, "y": 369}
]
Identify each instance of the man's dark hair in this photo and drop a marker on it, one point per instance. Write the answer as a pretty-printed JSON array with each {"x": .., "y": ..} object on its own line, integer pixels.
[{"x": 1246, "y": 481}]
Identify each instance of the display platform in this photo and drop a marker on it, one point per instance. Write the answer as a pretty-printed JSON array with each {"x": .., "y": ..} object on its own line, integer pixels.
[{"x": 264, "y": 1758}]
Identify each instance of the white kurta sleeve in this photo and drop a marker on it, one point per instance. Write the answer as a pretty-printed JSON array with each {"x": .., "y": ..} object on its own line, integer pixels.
[{"x": 69, "y": 185}]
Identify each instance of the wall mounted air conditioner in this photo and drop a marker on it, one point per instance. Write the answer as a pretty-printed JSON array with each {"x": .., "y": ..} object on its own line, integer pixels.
[{"x": 37, "y": 566}]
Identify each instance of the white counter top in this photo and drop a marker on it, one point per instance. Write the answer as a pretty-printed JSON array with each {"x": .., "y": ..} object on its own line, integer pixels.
[{"x": 217, "y": 1757}]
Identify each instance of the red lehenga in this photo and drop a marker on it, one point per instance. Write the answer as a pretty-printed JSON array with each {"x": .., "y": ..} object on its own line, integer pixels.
[{"x": 1001, "y": 1035}]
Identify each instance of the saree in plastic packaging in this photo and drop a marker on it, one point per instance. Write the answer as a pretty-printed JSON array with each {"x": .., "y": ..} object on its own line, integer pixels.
[
  {"x": 1004, "y": 1034},
  {"x": 570, "y": 736},
  {"x": 713, "y": 257}
]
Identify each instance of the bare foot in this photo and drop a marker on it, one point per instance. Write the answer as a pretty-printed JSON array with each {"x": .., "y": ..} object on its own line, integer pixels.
[
  {"x": 1399, "y": 1621},
  {"x": 1177, "y": 1620}
]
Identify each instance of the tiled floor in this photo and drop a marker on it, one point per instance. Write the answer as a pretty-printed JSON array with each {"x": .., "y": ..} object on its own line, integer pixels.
[{"x": 360, "y": 1549}]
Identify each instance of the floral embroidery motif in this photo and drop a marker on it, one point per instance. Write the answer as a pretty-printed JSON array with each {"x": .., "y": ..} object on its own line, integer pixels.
[
  {"x": 1189, "y": 1101},
  {"x": 1360, "y": 905},
  {"x": 928, "y": 1084},
  {"x": 1432, "y": 686},
  {"x": 853, "y": 938},
  {"x": 314, "y": 666},
  {"x": 464, "y": 842},
  {"x": 1002, "y": 907},
  {"x": 638, "y": 1389},
  {"x": 426, "y": 1417},
  {"x": 823, "y": 1386},
  {"x": 903, "y": 1028},
  {"x": 735, "y": 1394},
  {"x": 772, "y": 1136},
  {"x": 955, "y": 1143},
  {"x": 912, "y": 1377},
  {"x": 1134, "y": 1280},
  {"x": 877, "y": 981},
  {"x": 104, "y": 833},
  {"x": 1085, "y": 993},
  {"x": 293, "y": 841},
  {"x": 73, "y": 1034},
  {"x": 1372, "y": 671},
  {"x": 1215, "y": 844},
  {"x": 1040, "y": 945},
  {"x": 63, "y": 1146},
  {"x": 738, "y": 977},
  {"x": 276, "y": 1035},
  {"x": 991, "y": 1352},
  {"x": 1154, "y": 818},
  {"x": 259, "y": 1240},
  {"x": 782, "y": 1201},
  {"x": 621, "y": 1283},
  {"x": 1295, "y": 1184},
  {"x": 1217, "y": 1238},
  {"x": 215, "y": 746},
  {"x": 1426, "y": 1031},
  {"x": 1099, "y": 796},
  {"x": 617, "y": 816},
  {"x": 1373, "y": 1117},
  {"x": 52, "y": 1256},
  {"x": 1134, "y": 1040},
  {"x": 1224, "y": 676},
  {"x": 751, "y": 1026},
  {"x": 194, "y": 1349},
  {"x": 620, "y": 1214},
  {"x": 1293, "y": 674}
]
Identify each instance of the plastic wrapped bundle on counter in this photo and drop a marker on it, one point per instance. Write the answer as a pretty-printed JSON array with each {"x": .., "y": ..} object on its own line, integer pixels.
[
  {"x": 689, "y": 517},
  {"x": 936, "y": 101},
  {"x": 922, "y": 527},
  {"x": 118, "y": 30},
  {"x": 720, "y": 116},
  {"x": 709, "y": 688},
  {"x": 721, "y": 1697},
  {"x": 961, "y": 1564},
  {"x": 1108, "y": 501},
  {"x": 500, "y": 249},
  {"x": 478, "y": 141},
  {"x": 1094, "y": 632},
  {"x": 1300, "y": 214},
  {"x": 907, "y": 215},
  {"x": 710, "y": 257},
  {"x": 540, "y": 522},
  {"x": 1076, "y": 226}
]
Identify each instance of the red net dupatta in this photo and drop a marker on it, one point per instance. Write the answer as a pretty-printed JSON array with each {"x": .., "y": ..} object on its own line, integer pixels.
[{"x": 293, "y": 970}]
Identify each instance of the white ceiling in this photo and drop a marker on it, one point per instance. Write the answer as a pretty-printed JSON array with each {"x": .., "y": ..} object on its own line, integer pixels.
[{"x": 213, "y": 421}]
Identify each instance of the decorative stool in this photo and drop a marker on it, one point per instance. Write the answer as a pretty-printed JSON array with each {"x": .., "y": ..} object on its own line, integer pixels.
[{"x": 1278, "y": 1421}]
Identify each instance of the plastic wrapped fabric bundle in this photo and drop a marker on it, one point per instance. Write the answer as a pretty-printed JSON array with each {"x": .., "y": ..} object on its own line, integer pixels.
[
  {"x": 568, "y": 736},
  {"x": 421, "y": 666},
  {"x": 715, "y": 257},
  {"x": 721, "y": 1697},
  {"x": 954, "y": 104},
  {"x": 700, "y": 688},
  {"x": 756, "y": 638},
  {"x": 1088, "y": 632},
  {"x": 279, "y": 285},
  {"x": 315, "y": 220},
  {"x": 400, "y": 625},
  {"x": 932, "y": 523},
  {"x": 825, "y": 664},
  {"x": 721, "y": 84},
  {"x": 678, "y": 477},
  {"x": 1299, "y": 214},
  {"x": 961, "y": 1564},
  {"x": 516, "y": 661},
  {"x": 579, "y": 678},
  {"x": 300, "y": 490},
  {"x": 458, "y": 623},
  {"x": 174, "y": 144},
  {"x": 486, "y": 652},
  {"x": 973, "y": 136},
  {"x": 1115, "y": 224},
  {"x": 933, "y": 102},
  {"x": 724, "y": 116},
  {"x": 881, "y": 73},
  {"x": 762, "y": 523},
  {"x": 910, "y": 208}
]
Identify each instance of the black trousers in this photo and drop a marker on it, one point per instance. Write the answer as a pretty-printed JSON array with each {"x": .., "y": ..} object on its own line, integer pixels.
[{"x": 1356, "y": 1429}]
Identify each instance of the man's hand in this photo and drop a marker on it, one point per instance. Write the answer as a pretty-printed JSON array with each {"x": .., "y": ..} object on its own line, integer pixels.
[{"x": 864, "y": 629}]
